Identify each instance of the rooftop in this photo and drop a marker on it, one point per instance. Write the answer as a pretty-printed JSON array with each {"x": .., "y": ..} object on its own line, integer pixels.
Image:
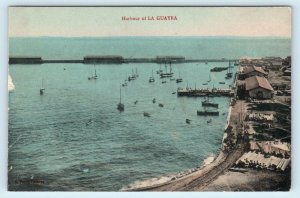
[
  {"x": 252, "y": 68},
  {"x": 257, "y": 81}
]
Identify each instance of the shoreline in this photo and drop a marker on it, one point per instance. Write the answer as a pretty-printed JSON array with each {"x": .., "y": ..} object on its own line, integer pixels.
[
  {"x": 167, "y": 179},
  {"x": 202, "y": 175},
  {"x": 266, "y": 168},
  {"x": 189, "y": 174}
]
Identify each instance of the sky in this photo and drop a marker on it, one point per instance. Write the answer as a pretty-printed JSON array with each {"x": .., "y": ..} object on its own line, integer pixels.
[{"x": 107, "y": 21}]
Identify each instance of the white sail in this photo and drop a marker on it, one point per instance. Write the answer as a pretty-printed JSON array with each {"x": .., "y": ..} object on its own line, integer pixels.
[{"x": 11, "y": 86}]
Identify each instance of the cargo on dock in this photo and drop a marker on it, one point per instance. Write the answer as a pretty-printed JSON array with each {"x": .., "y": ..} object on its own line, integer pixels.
[{"x": 205, "y": 92}]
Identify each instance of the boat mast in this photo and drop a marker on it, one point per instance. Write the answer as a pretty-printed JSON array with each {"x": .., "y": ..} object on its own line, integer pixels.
[
  {"x": 95, "y": 71},
  {"x": 120, "y": 95},
  {"x": 166, "y": 67}
]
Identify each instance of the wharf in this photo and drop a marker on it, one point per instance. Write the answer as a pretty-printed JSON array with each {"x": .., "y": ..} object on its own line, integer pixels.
[
  {"x": 205, "y": 92},
  {"x": 111, "y": 59}
]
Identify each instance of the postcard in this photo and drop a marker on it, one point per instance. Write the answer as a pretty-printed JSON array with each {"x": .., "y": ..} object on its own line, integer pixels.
[{"x": 149, "y": 99}]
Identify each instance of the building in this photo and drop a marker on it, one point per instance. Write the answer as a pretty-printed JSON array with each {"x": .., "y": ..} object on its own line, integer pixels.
[
  {"x": 258, "y": 88},
  {"x": 275, "y": 65},
  {"x": 287, "y": 72},
  {"x": 272, "y": 58},
  {"x": 252, "y": 70}
]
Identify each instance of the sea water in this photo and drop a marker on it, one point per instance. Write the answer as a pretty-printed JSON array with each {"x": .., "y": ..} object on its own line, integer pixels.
[{"x": 73, "y": 137}]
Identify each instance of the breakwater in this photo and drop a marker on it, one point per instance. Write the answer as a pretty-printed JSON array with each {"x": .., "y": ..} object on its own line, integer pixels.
[{"x": 112, "y": 59}]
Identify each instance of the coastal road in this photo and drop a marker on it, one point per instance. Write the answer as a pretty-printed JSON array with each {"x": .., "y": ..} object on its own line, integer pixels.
[{"x": 198, "y": 180}]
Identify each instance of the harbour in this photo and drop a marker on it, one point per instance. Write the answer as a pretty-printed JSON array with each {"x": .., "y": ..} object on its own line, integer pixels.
[
  {"x": 242, "y": 149},
  {"x": 116, "y": 147}
]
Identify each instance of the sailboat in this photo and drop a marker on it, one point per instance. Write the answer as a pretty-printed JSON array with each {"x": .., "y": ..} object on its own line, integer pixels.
[
  {"x": 179, "y": 79},
  {"x": 42, "y": 89},
  {"x": 160, "y": 70},
  {"x": 133, "y": 75},
  {"x": 136, "y": 73},
  {"x": 93, "y": 76},
  {"x": 166, "y": 75},
  {"x": 209, "y": 78},
  {"x": 236, "y": 63},
  {"x": 125, "y": 82},
  {"x": 120, "y": 105},
  {"x": 229, "y": 71},
  {"x": 151, "y": 79}
]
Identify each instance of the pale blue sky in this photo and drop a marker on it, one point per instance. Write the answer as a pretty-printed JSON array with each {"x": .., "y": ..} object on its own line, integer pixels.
[{"x": 191, "y": 21}]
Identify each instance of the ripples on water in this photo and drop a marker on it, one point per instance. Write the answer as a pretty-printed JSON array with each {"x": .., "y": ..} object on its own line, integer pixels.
[
  {"x": 74, "y": 138},
  {"x": 50, "y": 140}
]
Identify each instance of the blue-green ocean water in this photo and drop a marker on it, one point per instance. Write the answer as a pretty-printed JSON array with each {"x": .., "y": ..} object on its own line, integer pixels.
[{"x": 50, "y": 140}]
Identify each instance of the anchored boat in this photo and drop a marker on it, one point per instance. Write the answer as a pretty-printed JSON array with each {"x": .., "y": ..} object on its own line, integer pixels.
[
  {"x": 167, "y": 74},
  {"x": 207, "y": 111},
  {"x": 151, "y": 79},
  {"x": 93, "y": 77},
  {"x": 121, "y": 106},
  {"x": 207, "y": 103},
  {"x": 179, "y": 79},
  {"x": 146, "y": 114},
  {"x": 42, "y": 89},
  {"x": 229, "y": 71}
]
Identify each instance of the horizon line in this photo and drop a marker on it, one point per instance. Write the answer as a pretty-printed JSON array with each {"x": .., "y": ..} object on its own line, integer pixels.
[{"x": 227, "y": 36}]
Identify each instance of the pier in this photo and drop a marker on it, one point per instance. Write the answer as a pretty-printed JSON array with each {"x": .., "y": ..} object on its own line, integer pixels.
[
  {"x": 205, "y": 92},
  {"x": 114, "y": 59}
]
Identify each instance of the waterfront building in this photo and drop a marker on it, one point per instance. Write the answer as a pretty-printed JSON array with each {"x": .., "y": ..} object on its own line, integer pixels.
[
  {"x": 258, "y": 87},
  {"x": 252, "y": 70}
]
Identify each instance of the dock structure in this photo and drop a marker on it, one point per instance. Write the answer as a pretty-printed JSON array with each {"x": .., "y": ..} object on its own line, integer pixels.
[
  {"x": 170, "y": 59},
  {"x": 205, "y": 92},
  {"x": 113, "y": 59},
  {"x": 25, "y": 60},
  {"x": 103, "y": 59}
]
